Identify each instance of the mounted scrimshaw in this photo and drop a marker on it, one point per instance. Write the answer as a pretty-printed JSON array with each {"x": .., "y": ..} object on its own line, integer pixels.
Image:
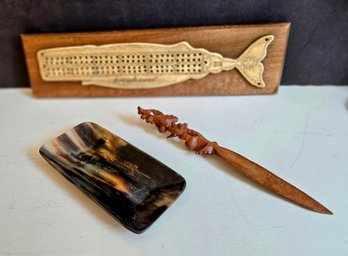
[
  {"x": 230, "y": 41},
  {"x": 147, "y": 65}
]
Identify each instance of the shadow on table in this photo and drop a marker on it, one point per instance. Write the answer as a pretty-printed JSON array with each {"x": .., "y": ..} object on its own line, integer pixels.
[
  {"x": 71, "y": 190},
  {"x": 27, "y": 91}
]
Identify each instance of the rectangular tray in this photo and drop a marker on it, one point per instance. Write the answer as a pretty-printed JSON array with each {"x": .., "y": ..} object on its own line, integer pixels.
[{"x": 132, "y": 186}]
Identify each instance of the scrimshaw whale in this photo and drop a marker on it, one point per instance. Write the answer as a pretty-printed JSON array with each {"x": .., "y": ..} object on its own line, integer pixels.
[{"x": 147, "y": 65}]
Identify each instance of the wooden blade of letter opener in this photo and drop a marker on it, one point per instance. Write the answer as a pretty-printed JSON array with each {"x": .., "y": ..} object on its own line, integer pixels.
[{"x": 196, "y": 142}]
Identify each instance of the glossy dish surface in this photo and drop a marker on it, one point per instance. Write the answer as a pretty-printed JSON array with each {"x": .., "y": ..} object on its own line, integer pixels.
[{"x": 132, "y": 186}]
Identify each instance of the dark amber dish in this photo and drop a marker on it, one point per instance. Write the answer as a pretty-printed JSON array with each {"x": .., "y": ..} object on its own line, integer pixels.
[{"x": 131, "y": 185}]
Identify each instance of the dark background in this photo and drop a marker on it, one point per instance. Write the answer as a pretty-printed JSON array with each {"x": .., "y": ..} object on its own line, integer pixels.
[{"x": 318, "y": 44}]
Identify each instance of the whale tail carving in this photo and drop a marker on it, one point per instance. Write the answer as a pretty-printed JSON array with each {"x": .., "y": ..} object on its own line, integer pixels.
[{"x": 249, "y": 62}]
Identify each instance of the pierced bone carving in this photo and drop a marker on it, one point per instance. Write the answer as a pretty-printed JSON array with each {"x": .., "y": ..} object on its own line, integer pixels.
[{"x": 147, "y": 65}]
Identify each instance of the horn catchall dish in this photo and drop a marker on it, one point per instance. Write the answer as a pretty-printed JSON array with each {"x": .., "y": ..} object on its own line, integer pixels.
[
  {"x": 132, "y": 186},
  {"x": 198, "y": 143}
]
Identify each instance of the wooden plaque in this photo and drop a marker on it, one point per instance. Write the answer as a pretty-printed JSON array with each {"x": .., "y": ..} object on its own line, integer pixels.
[{"x": 228, "y": 42}]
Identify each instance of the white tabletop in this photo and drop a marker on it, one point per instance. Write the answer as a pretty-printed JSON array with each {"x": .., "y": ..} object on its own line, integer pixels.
[{"x": 301, "y": 134}]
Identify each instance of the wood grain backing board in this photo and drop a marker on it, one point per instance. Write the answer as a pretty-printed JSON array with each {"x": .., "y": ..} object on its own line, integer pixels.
[{"x": 230, "y": 41}]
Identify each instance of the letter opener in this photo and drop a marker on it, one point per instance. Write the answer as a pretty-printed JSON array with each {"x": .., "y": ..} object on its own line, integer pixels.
[{"x": 198, "y": 143}]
